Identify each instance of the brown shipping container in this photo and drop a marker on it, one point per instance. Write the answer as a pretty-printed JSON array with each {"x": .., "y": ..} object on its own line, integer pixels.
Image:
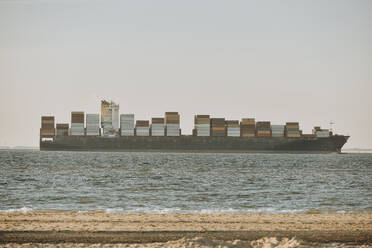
[
  {"x": 251, "y": 121},
  {"x": 77, "y": 117},
  {"x": 172, "y": 118},
  {"x": 247, "y": 127},
  {"x": 47, "y": 132},
  {"x": 157, "y": 120},
  {"x": 265, "y": 124},
  {"x": 202, "y": 119},
  {"x": 218, "y": 128},
  {"x": 202, "y": 116},
  {"x": 47, "y": 118},
  {"x": 142, "y": 123},
  {"x": 47, "y": 122},
  {"x": 173, "y": 122},
  {"x": 292, "y": 125},
  {"x": 218, "y": 122},
  {"x": 262, "y": 133},
  {"x": 232, "y": 122},
  {"x": 243, "y": 130},
  {"x": 62, "y": 125},
  {"x": 47, "y": 126},
  {"x": 248, "y": 134}
]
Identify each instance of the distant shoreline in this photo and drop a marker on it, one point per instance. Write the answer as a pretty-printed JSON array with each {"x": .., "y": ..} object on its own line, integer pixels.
[
  {"x": 356, "y": 150},
  {"x": 19, "y": 148}
]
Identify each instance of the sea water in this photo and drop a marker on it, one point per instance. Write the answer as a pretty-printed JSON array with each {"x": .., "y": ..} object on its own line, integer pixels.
[{"x": 130, "y": 182}]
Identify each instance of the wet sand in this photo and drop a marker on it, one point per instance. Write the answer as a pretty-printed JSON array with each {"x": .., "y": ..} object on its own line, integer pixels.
[{"x": 103, "y": 228}]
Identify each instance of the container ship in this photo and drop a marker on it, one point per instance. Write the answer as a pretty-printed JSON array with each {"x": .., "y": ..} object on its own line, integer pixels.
[{"x": 111, "y": 131}]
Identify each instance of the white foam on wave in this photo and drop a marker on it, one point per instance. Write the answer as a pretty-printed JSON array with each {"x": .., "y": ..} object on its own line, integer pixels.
[
  {"x": 114, "y": 211},
  {"x": 253, "y": 211},
  {"x": 341, "y": 212},
  {"x": 208, "y": 211},
  {"x": 23, "y": 210}
]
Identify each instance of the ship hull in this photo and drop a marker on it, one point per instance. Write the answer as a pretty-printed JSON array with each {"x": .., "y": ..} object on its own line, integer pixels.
[{"x": 196, "y": 144}]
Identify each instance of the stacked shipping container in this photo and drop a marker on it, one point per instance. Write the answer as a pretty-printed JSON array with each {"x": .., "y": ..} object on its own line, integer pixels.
[
  {"x": 62, "y": 129},
  {"x": 47, "y": 126},
  {"x": 127, "y": 125},
  {"x": 292, "y": 129},
  {"x": 142, "y": 128},
  {"x": 248, "y": 127},
  {"x": 218, "y": 127},
  {"x": 92, "y": 123},
  {"x": 157, "y": 127},
  {"x": 277, "y": 130},
  {"x": 233, "y": 128},
  {"x": 263, "y": 129},
  {"x": 202, "y": 125},
  {"x": 77, "y": 123},
  {"x": 172, "y": 124},
  {"x": 169, "y": 126}
]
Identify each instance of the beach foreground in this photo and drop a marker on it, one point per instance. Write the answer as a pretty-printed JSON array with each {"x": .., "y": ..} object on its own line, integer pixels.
[{"x": 178, "y": 230}]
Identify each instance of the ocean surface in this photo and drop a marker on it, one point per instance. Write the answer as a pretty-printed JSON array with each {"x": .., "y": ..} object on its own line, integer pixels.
[{"x": 31, "y": 180}]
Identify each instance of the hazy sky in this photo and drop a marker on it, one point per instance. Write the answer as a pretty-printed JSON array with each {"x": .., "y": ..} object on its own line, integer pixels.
[{"x": 306, "y": 61}]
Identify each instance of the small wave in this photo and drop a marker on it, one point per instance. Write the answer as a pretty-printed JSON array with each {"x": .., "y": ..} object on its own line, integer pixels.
[
  {"x": 205, "y": 211},
  {"x": 253, "y": 211},
  {"x": 82, "y": 211},
  {"x": 114, "y": 211},
  {"x": 341, "y": 212},
  {"x": 23, "y": 210}
]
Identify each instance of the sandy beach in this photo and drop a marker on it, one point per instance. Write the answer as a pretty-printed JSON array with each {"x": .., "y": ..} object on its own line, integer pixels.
[{"x": 103, "y": 228}]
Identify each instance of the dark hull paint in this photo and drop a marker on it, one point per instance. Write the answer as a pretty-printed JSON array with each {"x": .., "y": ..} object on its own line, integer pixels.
[{"x": 196, "y": 144}]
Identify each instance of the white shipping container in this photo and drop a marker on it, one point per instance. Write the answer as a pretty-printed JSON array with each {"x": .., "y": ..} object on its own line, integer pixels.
[
  {"x": 93, "y": 118},
  {"x": 62, "y": 132},
  {"x": 233, "y": 131},
  {"x": 127, "y": 124},
  {"x": 173, "y": 130},
  {"x": 277, "y": 130},
  {"x": 157, "y": 129},
  {"x": 127, "y": 117},
  {"x": 142, "y": 131},
  {"x": 322, "y": 134},
  {"x": 203, "y": 130},
  {"x": 92, "y": 128},
  {"x": 127, "y": 132},
  {"x": 77, "y": 124},
  {"x": 277, "y": 127},
  {"x": 203, "y": 134},
  {"x": 93, "y": 134}
]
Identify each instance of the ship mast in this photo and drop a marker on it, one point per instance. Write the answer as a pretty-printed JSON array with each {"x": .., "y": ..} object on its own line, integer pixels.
[{"x": 331, "y": 126}]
